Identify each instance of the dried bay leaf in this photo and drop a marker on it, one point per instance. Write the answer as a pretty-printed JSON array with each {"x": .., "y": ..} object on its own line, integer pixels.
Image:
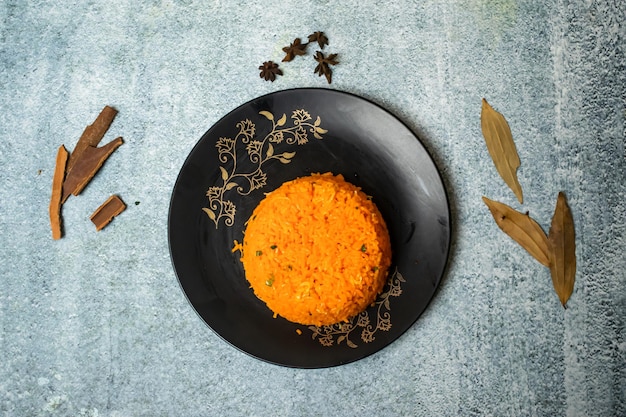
[
  {"x": 501, "y": 147},
  {"x": 521, "y": 228},
  {"x": 563, "y": 250}
]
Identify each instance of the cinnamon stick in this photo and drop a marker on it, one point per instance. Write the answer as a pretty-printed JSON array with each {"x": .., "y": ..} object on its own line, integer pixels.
[
  {"x": 87, "y": 166},
  {"x": 57, "y": 190},
  {"x": 107, "y": 211},
  {"x": 92, "y": 135}
]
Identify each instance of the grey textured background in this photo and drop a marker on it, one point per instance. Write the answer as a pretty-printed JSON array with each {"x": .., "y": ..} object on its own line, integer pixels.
[{"x": 96, "y": 324}]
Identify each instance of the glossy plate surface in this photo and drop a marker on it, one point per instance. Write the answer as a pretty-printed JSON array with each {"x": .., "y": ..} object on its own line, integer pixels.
[{"x": 276, "y": 138}]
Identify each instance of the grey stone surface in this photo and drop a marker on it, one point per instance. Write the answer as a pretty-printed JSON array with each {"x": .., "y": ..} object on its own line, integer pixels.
[{"x": 96, "y": 325}]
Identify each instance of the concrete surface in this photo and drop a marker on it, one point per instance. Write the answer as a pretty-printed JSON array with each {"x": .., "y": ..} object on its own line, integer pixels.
[{"x": 96, "y": 325}]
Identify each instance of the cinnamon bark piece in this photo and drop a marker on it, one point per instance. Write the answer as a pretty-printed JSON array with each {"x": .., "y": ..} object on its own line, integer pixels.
[
  {"x": 92, "y": 135},
  {"x": 87, "y": 166},
  {"x": 57, "y": 192},
  {"x": 107, "y": 211}
]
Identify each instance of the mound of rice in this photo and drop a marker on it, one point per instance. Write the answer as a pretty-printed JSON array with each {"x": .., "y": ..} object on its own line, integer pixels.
[{"x": 316, "y": 250}]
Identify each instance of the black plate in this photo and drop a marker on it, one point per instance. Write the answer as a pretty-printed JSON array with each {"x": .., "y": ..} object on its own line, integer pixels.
[{"x": 278, "y": 137}]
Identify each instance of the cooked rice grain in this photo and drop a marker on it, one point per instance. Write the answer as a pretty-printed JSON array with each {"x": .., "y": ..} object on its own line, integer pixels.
[{"x": 316, "y": 250}]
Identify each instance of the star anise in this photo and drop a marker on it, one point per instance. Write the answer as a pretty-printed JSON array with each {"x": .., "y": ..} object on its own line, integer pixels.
[
  {"x": 323, "y": 63},
  {"x": 294, "y": 49},
  {"x": 320, "y": 38},
  {"x": 269, "y": 71}
]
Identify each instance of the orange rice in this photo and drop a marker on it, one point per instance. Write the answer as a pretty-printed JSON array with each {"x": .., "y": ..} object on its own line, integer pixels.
[{"x": 316, "y": 250}]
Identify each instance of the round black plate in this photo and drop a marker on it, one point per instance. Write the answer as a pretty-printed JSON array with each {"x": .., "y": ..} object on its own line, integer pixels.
[{"x": 278, "y": 137}]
